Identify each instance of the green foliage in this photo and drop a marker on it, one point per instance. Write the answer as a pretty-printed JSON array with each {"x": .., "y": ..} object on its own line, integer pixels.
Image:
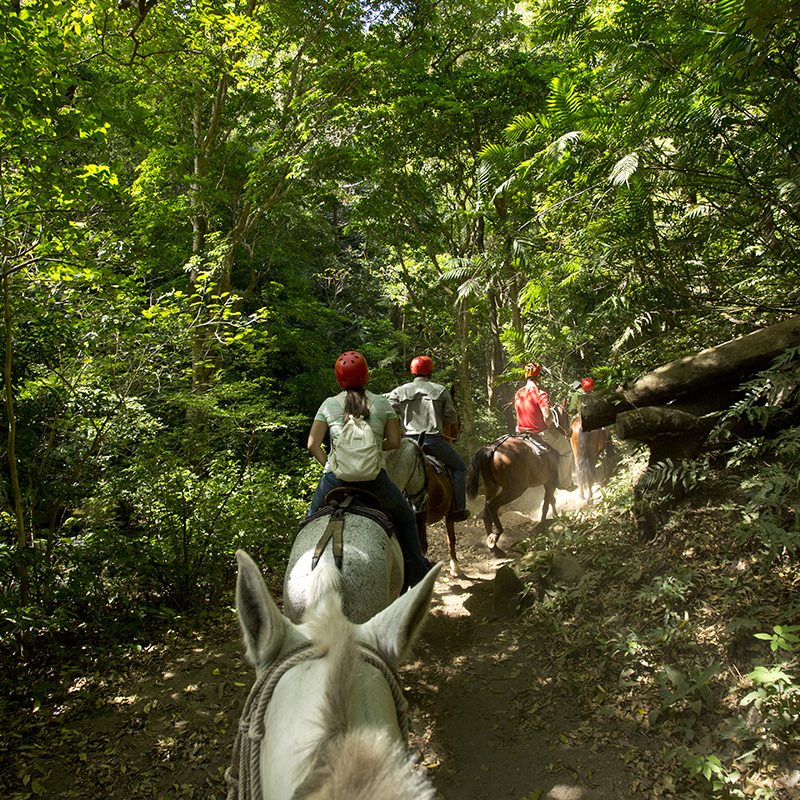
[
  {"x": 765, "y": 464},
  {"x": 714, "y": 776},
  {"x": 666, "y": 479},
  {"x": 783, "y": 637},
  {"x": 630, "y": 196},
  {"x": 690, "y": 690}
]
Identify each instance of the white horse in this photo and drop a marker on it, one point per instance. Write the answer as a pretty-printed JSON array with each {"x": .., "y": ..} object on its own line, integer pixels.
[
  {"x": 408, "y": 469},
  {"x": 372, "y": 567},
  {"x": 326, "y": 718}
]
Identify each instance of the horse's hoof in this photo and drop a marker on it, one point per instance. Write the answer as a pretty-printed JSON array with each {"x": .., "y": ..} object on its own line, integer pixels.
[
  {"x": 456, "y": 571},
  {"x": 497, "y": 552}
]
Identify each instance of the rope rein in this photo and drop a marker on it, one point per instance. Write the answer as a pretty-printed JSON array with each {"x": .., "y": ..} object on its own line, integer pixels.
[{"x": 243, "y": 777}]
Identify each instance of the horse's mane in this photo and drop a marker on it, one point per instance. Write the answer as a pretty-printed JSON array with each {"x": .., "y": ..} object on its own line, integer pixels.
[
  {"x": 333, "y": 636},
  {"x": 363, "y": 765},
  {"x": 360, "y": 764}
]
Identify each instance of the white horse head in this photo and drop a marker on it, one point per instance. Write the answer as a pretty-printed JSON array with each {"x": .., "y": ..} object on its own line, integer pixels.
[
  {"x": 372, "y": 568},
  {"x": 326, "y": 717}
]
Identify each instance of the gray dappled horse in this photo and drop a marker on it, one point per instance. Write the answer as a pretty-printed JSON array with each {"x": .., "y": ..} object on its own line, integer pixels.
[{"x": 371, "y": 566}]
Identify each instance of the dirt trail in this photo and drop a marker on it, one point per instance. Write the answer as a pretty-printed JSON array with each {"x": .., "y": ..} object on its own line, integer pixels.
[{"x": 484, "y": 722}]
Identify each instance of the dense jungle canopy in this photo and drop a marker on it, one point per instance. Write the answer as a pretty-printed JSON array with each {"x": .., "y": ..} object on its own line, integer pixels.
[{"x": 203, "y": 202}]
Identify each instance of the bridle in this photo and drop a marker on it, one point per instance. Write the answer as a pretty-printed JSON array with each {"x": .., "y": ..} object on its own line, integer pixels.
[{"x": 243, "y": 777}]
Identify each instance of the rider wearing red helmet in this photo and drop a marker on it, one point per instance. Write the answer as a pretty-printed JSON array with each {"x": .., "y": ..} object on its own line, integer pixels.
[
  {"x": 580, "y": 388},
  {"x": 532, "y": 405},
  {"x": 352, "y": 375},
  {"x": 351, "y": 370},
  {"x": 422, "y": 365},
  {"x": 427, "y": 407}
]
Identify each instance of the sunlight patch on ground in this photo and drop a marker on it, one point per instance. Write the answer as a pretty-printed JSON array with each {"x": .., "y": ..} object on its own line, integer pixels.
[
  {"x": 453, "y": 605},
  {"x": 124, "y": 699},
  {"x": 564, "y": 792}
]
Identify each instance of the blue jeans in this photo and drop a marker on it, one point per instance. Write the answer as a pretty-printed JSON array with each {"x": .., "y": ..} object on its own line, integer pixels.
[
  {"x": 438, "y": 446},
  {"x": 398, "y": 509}
]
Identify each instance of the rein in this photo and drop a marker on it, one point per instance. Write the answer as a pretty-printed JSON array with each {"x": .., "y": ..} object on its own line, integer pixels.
[{"x": 243, "y": 777}]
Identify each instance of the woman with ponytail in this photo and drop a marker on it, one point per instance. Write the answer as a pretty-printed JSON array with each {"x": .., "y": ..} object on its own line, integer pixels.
[{"x": 355, "y": 400}]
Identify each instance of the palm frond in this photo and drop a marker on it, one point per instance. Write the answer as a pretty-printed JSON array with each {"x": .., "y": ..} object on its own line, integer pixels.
[{"x": 522, "y": 126}]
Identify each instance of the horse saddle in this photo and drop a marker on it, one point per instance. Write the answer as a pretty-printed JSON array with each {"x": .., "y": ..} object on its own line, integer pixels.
[
  {"x": 341, "y": 500},
  {"x": 437, "y": 464},
  {"x": 538, "y": 445}
]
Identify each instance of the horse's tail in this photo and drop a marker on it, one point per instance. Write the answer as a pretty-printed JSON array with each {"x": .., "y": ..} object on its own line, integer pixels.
[
  {"x": 584, "y": 464},
  {"x": 326, "y": 582},
  {"x": 479, "y": 467}
]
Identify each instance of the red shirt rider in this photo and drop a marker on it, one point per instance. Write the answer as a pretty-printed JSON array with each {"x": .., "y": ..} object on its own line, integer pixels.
[{"x": 530, "y": 402}]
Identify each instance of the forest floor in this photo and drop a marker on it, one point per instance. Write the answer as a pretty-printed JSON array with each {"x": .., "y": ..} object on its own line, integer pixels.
[
  {"x": 487, "y": 724},
  {"x": 507, "y": 700}
]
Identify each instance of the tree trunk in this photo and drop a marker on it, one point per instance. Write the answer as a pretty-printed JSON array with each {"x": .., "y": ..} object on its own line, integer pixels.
[
  {"x": 465, "y": 384},
  {"x": 728, "y": 362},
  {"x": 495, "y": 360},
  {"x": 23, "y": 536},
  {"x": 670, "y": 432}
]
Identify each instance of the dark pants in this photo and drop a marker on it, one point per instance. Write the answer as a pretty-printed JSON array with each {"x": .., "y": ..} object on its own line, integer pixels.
[
  {"x": 439, "y": 446},
  {"x": 398, "y": 509}
]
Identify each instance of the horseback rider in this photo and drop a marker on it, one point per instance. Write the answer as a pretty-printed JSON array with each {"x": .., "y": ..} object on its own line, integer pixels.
[
  {"x": 427, "y": 407},
  {"x": 532, "y": 405},
  {"x": 579, "y": 389},
  {"x": 352, "y": 375}
]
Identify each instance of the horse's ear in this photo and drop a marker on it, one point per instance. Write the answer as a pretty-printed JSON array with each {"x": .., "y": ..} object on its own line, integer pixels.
[
  {"x": 263, "y": 626},
  {"x": 395, "y": 628}
]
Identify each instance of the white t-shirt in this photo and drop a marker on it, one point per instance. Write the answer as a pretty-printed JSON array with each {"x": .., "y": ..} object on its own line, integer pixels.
[{"x": 332, "y": 412}]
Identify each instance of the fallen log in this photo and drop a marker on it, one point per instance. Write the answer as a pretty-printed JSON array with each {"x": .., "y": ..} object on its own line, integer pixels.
[
  {"x": 721, "y": 367},
  {"x": 669, "y": 432},
  {"x": 645, "y": 424}
]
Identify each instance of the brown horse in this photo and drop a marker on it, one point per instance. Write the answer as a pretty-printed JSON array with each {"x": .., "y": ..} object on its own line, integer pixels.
[
  {"x": 439, "y": 501},
  {"x": 508, "y": 467},
  {"x": 428, "y": 490},
  {"x": 427, "y": 486},
  {"x": 587, "y": 447}
]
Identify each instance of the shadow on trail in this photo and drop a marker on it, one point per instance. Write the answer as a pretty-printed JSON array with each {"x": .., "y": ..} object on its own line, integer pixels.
[{"x": 486, "y": 720}]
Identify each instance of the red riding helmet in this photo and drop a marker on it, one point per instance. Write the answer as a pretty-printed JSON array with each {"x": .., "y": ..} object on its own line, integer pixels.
[
  {"x": 587, "y": 384},
  {"x": 352, "y": 370},
  {"x": 532, "y": 370},
  {"x": 422, "y": 365}
]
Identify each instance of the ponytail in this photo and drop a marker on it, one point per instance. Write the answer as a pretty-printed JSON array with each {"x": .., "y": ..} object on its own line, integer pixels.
[{"x": 355, "y": 404}]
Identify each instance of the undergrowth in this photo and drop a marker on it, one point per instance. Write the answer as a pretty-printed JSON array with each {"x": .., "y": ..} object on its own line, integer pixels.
[{"x": 684, "y": 651}]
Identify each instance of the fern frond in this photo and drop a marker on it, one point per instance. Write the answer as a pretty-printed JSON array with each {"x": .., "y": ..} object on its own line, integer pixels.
[
  {"x": 556, "y": 149},
  {"x": 699, "y": 210},
  {"x": 624, "y": 169},
  {"x": 471, "y": 287},
  {"x": 564, "y": 104}
]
